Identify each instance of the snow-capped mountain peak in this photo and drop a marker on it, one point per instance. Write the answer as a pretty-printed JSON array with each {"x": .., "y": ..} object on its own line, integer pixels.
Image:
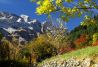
[
  {"x": 24, "y": 26},
  {"x": 25, "y": 18}
]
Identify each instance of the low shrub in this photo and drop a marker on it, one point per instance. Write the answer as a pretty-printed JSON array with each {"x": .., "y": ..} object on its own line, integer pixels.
[
  {"x": 38, "y": 50},
  {"x": 81, "y": 41},
  {"x": 44, "y": 50}
]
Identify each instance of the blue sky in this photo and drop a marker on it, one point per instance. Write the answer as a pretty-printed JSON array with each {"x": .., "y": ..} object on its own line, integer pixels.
[
  {"x": 26, "y": 7},
  {"x": 19, "y": 7}
]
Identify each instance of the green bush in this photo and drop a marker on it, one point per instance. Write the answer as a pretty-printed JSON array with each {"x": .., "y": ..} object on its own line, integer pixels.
[
  {"x": 42, "y": 48},
  {"x": 7, "y": 50},
  {"x": 4, "y": 50}
]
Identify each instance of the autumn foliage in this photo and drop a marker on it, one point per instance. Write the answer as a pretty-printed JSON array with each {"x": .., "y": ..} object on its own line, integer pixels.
[
  {"x": 95, "y": 43},
  {"x": 81, "y": 40}
]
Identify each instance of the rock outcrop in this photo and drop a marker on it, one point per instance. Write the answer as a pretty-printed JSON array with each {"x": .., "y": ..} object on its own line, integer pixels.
[{"x": 72, "y": 62}]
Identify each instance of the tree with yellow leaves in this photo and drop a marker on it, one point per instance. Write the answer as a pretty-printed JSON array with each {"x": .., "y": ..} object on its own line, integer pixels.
[{"x": 67, "y": 8}]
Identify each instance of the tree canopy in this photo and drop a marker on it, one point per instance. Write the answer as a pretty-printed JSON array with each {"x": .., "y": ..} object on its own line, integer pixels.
[{"x": 68, "y": 8}]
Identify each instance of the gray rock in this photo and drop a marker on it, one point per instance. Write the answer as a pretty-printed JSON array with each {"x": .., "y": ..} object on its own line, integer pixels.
[
  {"x": 86, "y": 62},
  {"x": 69, "y": 63},
  {"x": 95, "y": 65},
  {"x": 72, "y": 63}
]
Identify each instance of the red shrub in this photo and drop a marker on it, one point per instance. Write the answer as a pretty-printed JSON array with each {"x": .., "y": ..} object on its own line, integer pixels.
[
  {"x": 95, "y": 43},
  {"x": 62, "y": 50},
  {"x": 81, "y": 40}
]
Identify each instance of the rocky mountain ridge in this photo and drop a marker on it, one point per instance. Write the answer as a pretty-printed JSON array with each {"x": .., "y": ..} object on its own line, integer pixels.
[{"x": 22, "y": 27}]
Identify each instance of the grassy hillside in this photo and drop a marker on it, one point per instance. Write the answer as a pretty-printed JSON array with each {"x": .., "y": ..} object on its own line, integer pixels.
[{"x": 81, "y": 53}]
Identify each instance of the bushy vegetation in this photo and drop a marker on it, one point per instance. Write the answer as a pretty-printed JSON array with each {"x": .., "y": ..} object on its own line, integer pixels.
[
  {"x": 43, "y": 49},
  {"x": 39, "y": 49},
  {"x": 85, "y": 35}
]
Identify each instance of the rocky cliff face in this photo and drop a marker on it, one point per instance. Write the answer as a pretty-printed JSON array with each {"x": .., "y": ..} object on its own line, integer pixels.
[{"x": 21, "y": 26}]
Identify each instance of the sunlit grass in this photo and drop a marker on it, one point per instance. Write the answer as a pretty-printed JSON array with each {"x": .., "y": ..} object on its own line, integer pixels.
[{"x": 81, "y": 53}]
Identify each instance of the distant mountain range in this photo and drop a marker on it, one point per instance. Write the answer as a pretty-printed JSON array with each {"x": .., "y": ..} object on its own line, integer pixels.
[{"x": 22, "y": 27}]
